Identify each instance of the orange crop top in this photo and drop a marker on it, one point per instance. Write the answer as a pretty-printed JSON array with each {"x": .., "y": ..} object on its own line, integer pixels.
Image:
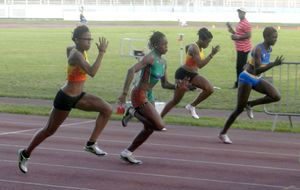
[
  {"x": 189, "y": 59},
  {"x": 75, "y": 73}
]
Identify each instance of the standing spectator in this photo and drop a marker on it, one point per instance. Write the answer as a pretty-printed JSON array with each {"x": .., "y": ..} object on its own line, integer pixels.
[{"x": 241, "y": 37}]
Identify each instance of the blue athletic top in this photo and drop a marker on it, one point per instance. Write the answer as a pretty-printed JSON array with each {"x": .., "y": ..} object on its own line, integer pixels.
[{"x": 265, "y": 55}]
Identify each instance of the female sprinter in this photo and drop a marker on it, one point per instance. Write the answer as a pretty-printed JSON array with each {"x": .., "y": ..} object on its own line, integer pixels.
[
  {"x": 195, "y": 60},
  {"x": 153, "y": 68},
  {"x": 71, "y": 95},
  {"x": 250, "y": 79}
]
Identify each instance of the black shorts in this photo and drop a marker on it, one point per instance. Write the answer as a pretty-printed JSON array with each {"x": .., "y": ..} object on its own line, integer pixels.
[
  {"x": 181, "y": 73},
  {"x": 65, "y": 102}
]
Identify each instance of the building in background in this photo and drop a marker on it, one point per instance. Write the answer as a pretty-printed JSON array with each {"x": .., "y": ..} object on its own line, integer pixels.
[{"x": 271, "y": 11}]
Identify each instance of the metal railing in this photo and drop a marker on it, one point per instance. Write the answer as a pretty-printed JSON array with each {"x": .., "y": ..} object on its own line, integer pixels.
[{"x": 286, "y": 78}]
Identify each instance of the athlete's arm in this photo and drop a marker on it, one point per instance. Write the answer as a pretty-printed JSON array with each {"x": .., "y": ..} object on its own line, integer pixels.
[
  {"x": 165, "y": 82},
  {"x": 202, "y": 62},
  {"x": 78, "y": 58},
  {"x": 148, "y": 59}
]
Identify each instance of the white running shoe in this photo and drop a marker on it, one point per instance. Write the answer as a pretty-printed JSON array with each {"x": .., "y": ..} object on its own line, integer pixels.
[
  {"x": 225, "y": 139},
  {"x": 249, "y": 111},
  {"x": 192, "y": 111},
  {"x": 95, "y": 150},
  {"x": 22, "y": 161},
  {"x": 127, "y": 156}
]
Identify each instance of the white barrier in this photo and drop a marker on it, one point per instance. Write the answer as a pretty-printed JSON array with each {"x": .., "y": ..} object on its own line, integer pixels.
[{"x": 286, "y": 78}]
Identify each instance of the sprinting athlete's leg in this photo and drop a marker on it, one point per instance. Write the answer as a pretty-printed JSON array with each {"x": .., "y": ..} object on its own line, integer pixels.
[
  {"x": 243, "y": 95},
  {"x": 204, "y": 84},
  {"x": 93, "y": 103},
  {"x": 57, "y": 117},
  {"x": 264, "y": 87},
  {"x": 177, "y": 96}
]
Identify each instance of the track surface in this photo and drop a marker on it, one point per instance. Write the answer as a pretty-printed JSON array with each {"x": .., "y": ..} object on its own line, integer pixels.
[{"x": 188, "y": 158}]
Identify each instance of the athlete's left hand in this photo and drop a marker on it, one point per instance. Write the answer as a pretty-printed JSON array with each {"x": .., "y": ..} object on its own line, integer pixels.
[
  {"x": 278, "y": 60},
  {"x": 102, "y": 45},
  {"x": 215, "y": 50}
]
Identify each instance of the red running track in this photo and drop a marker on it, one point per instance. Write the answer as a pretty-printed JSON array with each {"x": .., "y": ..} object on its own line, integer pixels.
[{"x": 185, "y": 158}]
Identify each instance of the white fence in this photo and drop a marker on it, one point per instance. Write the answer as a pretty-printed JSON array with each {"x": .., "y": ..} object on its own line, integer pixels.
[
  {"x": 271, "y": 11},
  {"x": 286, "y": 78}
]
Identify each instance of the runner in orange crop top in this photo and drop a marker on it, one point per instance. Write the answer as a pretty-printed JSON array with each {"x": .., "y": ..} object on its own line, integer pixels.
[
  {"x": 195, "y": 60},
  {"x": 190, "y": 61},
  {"x": 75, "y": 73},
  {"x": 71, "y": 95}
]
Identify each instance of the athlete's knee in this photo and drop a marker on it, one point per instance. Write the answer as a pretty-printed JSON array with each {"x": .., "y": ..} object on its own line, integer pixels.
[
  {"x": 276, "y": 97},
  {"x": 240, "y": 108},
  {"x": 209, "y": 89},
  {"x": 107, "y": 110}
]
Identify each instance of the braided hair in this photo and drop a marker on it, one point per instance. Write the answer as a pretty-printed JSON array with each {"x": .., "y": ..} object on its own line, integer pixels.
[
  {"x": 155, "y": 38},
  {"x": 79, "y": 30}
]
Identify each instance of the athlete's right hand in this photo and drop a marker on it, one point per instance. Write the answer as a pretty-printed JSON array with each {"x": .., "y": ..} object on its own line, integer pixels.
[
  {"x": 183, "y": 84},
  {"x": 122, "y": 98}
]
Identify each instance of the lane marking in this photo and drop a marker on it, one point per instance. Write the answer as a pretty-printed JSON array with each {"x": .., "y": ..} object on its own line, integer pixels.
[
  {"x": 28, "y": 130},
  {"x": 158, "y": 175},
  {"x": 179, "y": 146},
  {"x": 184, "y": 160},
  {"x": 168, "y": 133},
  {"x": 42, "y": 184},
  {"x": 15, "y": 132}
]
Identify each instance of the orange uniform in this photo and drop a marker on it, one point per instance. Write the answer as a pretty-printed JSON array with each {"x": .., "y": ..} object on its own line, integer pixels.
[
  {"x": 75, "y": 73},
  {"x": 189, "y": 59}
]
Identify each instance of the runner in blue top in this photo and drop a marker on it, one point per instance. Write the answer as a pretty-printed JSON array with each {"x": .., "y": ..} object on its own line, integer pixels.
[{"x": 251, "y": 78}]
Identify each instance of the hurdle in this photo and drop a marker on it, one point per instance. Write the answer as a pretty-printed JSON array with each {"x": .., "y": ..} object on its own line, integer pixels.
[
  {"x": 133, "y": 47},
  {"x": 286, "y": 79}
]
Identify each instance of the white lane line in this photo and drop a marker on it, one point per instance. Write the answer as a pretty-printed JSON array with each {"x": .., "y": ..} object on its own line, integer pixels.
[
  {"x": 188, "y": 161},
  {"x": 169, "y": 133},
  {"x": 182, "y": 147},
  {"x": 14, "y": 132},
  {"x": 77, "y": 123},
  {"x": 158, "y": 175},
  {"x": 42, "y": 184},
  {"x": 32, "y": 124}
]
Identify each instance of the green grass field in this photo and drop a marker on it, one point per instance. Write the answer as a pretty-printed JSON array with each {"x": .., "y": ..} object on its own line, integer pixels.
[{"x": 33, "y": 62}]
